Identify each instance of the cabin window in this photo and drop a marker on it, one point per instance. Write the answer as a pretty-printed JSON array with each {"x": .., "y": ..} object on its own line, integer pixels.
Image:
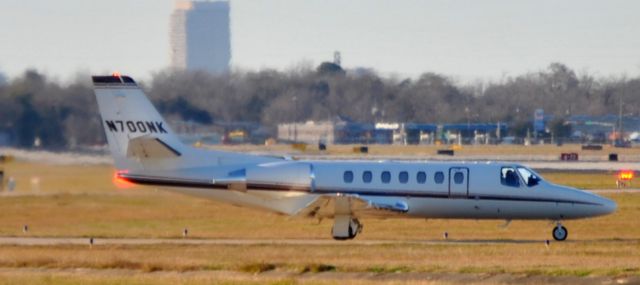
[
  {"x": 403, "y": 177},
  {"x": 509, "y": 177},
  {"x": 458, "y": 178},
  {"x": 530, "y": 178},
  {"x": 385, "y": 177},
  {"x": 438, "y": 177},
  {"x": 367, "y": 176},
  {"x": 421, "y": 178},
  {"x": 348, "y": 176}
]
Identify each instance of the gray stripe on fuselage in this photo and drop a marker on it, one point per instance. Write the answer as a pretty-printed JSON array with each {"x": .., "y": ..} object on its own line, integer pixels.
[{"x": 193, "y": 183}]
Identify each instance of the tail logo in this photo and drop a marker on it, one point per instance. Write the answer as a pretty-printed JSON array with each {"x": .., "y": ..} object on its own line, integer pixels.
[{"x": 135, "y": 126}]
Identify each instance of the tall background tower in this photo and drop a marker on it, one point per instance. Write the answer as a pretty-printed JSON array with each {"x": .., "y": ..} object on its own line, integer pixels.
[{"x": 200, "y": 36}]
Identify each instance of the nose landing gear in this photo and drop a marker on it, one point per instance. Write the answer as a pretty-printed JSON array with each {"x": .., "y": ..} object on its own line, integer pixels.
[{"x": 559, "y": 232}]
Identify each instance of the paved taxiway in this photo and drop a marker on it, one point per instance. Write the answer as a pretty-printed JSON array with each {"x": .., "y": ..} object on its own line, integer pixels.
[
  {"x": 38, "y": 241},
  {"x": 598, "y": 162},
  {"x": 43, "y": 241}
]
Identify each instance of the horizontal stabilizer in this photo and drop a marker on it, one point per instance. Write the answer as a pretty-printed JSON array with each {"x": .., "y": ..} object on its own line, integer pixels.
[{"x": 150, "y": 147}]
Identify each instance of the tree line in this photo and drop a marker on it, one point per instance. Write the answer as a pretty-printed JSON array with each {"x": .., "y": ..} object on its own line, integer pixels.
[{"x": 64, "y": 115}]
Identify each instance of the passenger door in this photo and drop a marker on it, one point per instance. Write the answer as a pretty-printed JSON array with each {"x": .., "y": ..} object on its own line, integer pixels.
[{"x": 458, "y": 182}]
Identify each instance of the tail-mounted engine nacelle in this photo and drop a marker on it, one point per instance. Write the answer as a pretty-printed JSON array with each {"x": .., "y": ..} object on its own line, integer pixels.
[{"x": 273, "y": 176}]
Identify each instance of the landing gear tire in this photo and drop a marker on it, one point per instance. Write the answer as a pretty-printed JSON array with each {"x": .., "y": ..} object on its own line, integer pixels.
[
  {"x": 346, "y": 228},
  {"x": 560, "y": 233},
  {"x": 351, "y": 235},
  {"x": 358, "y": 228}
]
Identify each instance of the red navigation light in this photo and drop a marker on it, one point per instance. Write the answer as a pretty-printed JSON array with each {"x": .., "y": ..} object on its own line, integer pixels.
[
  {"x": 121, "y": 182},
  {"x": 116, "y": 74},
  {"x": 625, "y": 175}
]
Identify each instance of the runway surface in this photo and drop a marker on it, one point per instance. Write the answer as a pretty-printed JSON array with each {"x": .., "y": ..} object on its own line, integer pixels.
[
  {"x": 615, "y": 191},
  {"x": 38, "y": 241}
]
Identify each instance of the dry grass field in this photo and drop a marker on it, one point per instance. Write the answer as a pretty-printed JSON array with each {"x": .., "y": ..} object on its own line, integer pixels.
[{"x": 81, "y": 201}]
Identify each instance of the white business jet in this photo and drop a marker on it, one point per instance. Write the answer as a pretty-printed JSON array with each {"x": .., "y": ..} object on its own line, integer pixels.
[{"x": 147, "y": 152}]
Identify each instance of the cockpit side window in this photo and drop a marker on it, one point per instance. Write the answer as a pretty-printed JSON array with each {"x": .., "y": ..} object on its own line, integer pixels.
[
  {"x": 509, "y": 177},
  {"x": 529, "y": 177}
]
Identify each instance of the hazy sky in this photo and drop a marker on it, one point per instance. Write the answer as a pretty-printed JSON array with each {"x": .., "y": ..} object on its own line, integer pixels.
[{"x": 485, "y": 39}]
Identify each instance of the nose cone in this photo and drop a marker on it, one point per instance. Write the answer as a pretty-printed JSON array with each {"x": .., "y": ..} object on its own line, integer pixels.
[
  {"x": 608, "y": 206},
  {"x": 601, "y": 206},
  {"x": 595, "y": 205}
]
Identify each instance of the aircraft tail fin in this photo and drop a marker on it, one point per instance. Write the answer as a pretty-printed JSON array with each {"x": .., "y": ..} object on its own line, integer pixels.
[
  {"x": 133, "y": 127},
  {"x": 140, "y": 139}
]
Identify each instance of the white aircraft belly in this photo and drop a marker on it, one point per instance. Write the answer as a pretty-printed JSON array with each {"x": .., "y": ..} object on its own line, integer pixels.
[
  {"x": 488, "y": 209},
  {"x": 290, "y": 202}
]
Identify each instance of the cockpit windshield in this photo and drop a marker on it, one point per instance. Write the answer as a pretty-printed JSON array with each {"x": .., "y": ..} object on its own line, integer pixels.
[{"x": 530, "y": 178}]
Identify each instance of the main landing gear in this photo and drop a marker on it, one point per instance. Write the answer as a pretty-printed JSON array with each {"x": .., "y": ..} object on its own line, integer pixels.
[
  {"x": 559, "y": 232},
  {"x": 345, "y": 227}
]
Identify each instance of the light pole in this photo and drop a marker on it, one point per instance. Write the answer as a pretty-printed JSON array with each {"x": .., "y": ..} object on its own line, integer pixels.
[
  {"x": 295, "y": 119},
  {"x": 619, "y": 138},
  {"x": 466, "y": 111}
]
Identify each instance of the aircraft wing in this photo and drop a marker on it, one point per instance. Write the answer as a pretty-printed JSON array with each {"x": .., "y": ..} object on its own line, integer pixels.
[{"x": 327, "y": 206}]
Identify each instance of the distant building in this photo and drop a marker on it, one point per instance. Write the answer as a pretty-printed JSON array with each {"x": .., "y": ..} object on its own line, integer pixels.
[
  {"x": 5, "y": 139},
  {"x": 200, "y": 36},
  {"x": 341, "y": 131},
  {"x": 334, "y": 132},
  {"x": 309, "y": 132},
  {"x": 602, "y": 128},
  {"x": 347, "y": 132},
  {"x": 220, "y": 132}
]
